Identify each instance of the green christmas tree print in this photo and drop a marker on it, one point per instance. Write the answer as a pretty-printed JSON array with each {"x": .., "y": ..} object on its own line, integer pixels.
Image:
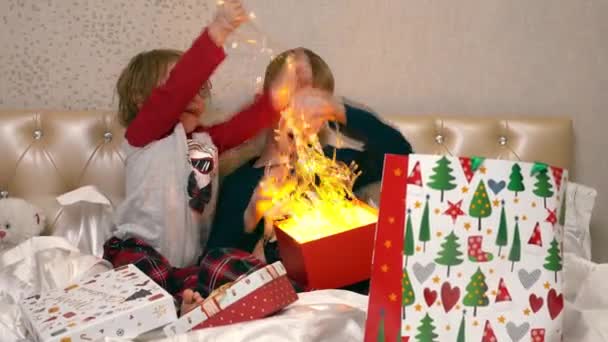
[
  {"x": 449, "y": 255},
  {"x": 543, "y": 187},
  {"x": 562, "y": 211},
  {"x": 442, "y": 178},
  {"x": 461, "y": 330},
  {"x": 408, "y": 246},
  {"x": 381, "y": 335},
  {"x": 408, "y": 296},
  {"x": 425, "y": 227},
  {"x": 516, "y": 180},
  {"x": 476, "y": 292},
  {"x": 515, "y": 253},
  {"x": 426, "y": 330},
  {"x": 480, "y": 204},
  {"x": 502, "y": 237},
  {"x": 554, "y": 259}
]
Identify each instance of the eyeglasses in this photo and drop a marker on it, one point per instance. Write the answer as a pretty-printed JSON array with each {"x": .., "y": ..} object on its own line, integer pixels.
[
  {"x": 203, "y": 165},
  {"x": 205, "y": 90}
]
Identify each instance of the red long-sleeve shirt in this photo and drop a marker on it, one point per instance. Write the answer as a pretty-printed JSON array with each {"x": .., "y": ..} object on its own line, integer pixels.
[{"x": 161, "y": 111}]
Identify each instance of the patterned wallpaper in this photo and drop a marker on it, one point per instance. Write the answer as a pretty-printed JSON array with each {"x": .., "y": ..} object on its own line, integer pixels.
[
  {"x": 473, "y": 56},
  {"x": 68, "y": 53},
  {"x": 481, "y": 57}
]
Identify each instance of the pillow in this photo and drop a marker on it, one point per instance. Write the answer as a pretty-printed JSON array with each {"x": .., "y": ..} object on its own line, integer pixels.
[
  {"x": 88, "y": 223},
  {"x": 580, "y": 200}
]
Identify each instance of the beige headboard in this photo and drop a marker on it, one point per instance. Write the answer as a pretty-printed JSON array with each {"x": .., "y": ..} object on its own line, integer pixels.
[{"x": 46, "y": 153}]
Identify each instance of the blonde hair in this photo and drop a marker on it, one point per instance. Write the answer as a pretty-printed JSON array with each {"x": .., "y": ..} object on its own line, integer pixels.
[
  {"x": 139, "y": 78},
  {"x": 322, "y": 77}
]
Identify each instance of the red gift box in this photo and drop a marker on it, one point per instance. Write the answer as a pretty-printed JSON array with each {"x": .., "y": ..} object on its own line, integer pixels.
[
  {"x": 333, "y": 261},
  {"x": 257, "y": 295}
]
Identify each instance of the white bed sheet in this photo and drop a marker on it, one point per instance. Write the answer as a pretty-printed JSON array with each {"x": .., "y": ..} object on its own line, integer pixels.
[
  {"x": 328, "y": 315},
  {"x": 334, "y": 315}
]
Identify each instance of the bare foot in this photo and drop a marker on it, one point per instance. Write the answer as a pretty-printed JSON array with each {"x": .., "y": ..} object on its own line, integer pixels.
[{"x": 190, "y": 300}]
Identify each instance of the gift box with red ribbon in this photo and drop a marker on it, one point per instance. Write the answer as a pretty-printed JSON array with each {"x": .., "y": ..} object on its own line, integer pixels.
[{"x": 254, "y": 296}]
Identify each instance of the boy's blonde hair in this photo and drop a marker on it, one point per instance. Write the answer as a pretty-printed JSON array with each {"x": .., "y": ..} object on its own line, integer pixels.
[
  {"x": 139, "y": 78},
  {"x": 322, "y": 77}
]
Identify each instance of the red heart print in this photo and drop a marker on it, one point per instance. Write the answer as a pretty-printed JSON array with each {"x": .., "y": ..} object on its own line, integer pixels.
[
  {"x": 555, "y": 303},
  {"x": 69, "y": 315},
  {"x": 536, "y": 303},
  {"x": 449, "y": 296},
  {"x": 430, "y": 296}
]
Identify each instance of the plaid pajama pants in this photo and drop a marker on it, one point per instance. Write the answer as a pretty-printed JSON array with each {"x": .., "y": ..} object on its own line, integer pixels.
[{"x": 216, "y": 268}]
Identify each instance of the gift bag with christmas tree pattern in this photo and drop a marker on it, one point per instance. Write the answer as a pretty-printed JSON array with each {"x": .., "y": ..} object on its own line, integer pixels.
[{"x": 468, "y": 250}]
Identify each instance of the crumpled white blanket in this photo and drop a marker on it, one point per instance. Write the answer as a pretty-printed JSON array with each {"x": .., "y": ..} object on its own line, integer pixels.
[
  {"x": 586, "y": 300},
  {"x": 38, "y": 264},
  {"x": 334, "y": 315},
  {"x": 327, "y": 315}
]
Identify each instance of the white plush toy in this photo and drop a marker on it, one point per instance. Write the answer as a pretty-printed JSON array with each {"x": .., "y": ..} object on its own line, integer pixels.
[
  {"x": 30, "y": 263},
  {"x": 19, "y": 221}
]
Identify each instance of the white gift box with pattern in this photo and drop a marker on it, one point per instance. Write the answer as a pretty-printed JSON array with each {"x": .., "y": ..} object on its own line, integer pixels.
[{"x": 123, "y": 302}]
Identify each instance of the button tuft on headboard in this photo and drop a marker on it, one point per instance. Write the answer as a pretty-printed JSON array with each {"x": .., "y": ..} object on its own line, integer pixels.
[
  {"x": 37, "y": 134},
  {"x": 107, "y": 137}
]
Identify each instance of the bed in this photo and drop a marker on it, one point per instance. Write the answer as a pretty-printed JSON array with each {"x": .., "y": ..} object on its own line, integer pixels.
[{"x": 48, "y": 153}]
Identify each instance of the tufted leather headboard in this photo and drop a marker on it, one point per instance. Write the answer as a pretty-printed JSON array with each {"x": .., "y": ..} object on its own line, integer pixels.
[{"x": 44, "y": 154}]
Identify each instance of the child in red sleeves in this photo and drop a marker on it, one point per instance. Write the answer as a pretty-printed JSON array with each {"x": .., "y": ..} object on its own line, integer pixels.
[{"x": 172, "y": 161}]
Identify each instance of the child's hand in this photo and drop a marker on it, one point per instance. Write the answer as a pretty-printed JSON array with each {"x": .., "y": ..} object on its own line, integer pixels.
[
  {"x": 319, "y": 104},
  {"x": 273, "y": 187},
  {"x": 229, "y": 16},
  {"x": 313, "y": 108},
  {"x": 190, "y": 300}
]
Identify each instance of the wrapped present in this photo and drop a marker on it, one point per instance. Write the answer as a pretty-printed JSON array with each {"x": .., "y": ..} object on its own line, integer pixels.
[
  {"x": 123, "y": 302},
  {"x": 253, "y": 296},
  {"x": 468, "y": 249},
  {"x": 312, "y": 259}
]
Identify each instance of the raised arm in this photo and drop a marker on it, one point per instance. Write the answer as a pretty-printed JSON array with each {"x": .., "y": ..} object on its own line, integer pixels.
[
  {"x": 160, "y": 112},
  {"x": 162, "y": 109},
  {"x": 244, "y": 125}
]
